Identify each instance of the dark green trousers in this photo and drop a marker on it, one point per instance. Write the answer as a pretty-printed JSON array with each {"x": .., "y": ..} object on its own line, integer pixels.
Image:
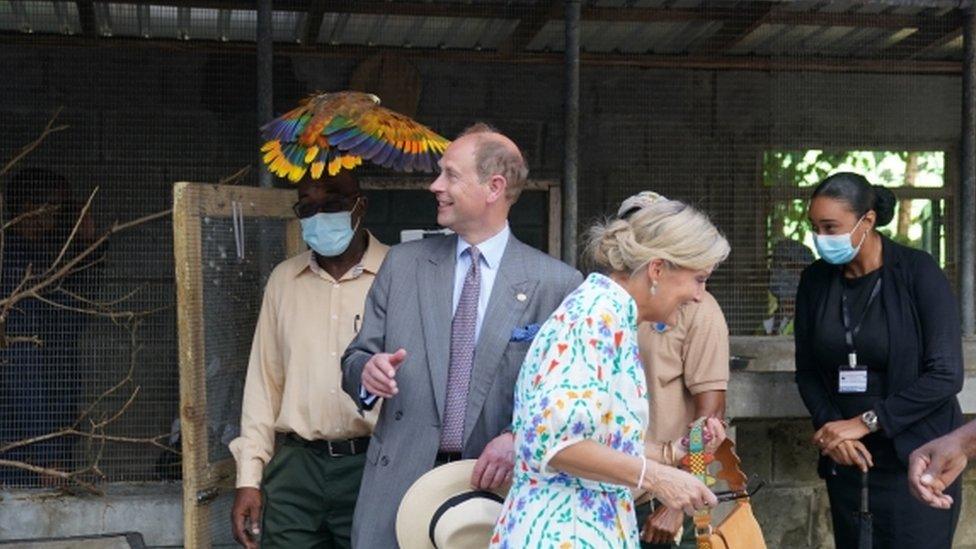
[
  {"x": 309, "y": 498},
  {"x": 687, "y": 538}
]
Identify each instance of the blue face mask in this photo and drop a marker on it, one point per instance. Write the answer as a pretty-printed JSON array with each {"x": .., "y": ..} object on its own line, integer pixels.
[
  {"x": 329, "y": 234},
  {"x": 837, "y": 249}
]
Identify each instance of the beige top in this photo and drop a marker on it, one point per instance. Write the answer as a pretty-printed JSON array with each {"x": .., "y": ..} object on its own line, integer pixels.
[
  {"x": 294, "y": 382},
  {"x": 689, "y": 358}
]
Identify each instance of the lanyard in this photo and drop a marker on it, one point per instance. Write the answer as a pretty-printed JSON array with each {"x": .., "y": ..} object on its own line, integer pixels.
[{"x": 849, "y": 332}]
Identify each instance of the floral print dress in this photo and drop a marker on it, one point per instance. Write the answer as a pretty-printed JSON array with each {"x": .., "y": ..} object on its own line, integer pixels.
[{"x": 581, "y": 380}]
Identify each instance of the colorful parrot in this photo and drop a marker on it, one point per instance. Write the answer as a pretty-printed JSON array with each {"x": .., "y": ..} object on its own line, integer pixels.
[{"x": 336, "y": 131}]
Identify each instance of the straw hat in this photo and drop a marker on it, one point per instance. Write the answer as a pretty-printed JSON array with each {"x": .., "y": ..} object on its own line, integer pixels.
[{"x": 442, "y": 511}]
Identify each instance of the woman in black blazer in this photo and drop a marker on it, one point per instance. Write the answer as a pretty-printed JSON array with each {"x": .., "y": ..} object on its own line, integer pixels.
[{"x": 878, "y": 363}]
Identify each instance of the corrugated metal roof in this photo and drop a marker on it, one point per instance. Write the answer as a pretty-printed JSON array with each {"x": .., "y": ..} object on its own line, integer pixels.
[{"x": 654, "y": 34}]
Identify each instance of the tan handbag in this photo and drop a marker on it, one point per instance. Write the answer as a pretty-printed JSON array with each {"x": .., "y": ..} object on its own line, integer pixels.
[{"x": 740, "y": 529}]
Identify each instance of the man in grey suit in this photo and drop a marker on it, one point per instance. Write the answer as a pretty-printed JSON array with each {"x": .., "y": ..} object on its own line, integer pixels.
[{"x": 446, "y": 361}]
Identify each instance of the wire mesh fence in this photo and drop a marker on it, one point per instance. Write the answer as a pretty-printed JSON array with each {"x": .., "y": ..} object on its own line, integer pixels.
[{"x": 736, "y": 107}]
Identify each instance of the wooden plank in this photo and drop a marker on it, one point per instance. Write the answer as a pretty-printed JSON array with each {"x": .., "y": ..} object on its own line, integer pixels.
[
  {"x": 217, "y": 200},
  {"x": 189, "y": 314}
]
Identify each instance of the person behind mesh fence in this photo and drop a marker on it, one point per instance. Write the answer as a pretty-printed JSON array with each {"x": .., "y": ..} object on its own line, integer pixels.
[
  {"x": 312, "y": 308},
  {"x": 789, "y": 259},
  {"x": 41, "y": 384},
  {"x": 686, "y": 362},
  {"x": 447, "y": 325},
  {"x": 878, "y": 364},
  {"x": 581, "y": 410}
]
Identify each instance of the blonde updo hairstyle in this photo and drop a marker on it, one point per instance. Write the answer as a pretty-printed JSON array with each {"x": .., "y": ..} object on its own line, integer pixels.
[{"x": 663, "y": 229}]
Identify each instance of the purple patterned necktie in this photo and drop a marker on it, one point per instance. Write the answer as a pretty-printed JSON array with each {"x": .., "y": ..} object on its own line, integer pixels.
[{"x": 462, "y": 356}]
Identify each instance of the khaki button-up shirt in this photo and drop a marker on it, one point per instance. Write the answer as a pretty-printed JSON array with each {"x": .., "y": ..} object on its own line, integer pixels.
[{"x": 294, "y": 382}]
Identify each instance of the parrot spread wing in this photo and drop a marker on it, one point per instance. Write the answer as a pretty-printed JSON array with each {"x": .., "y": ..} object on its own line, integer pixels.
[{"x": 335, "y": 131}]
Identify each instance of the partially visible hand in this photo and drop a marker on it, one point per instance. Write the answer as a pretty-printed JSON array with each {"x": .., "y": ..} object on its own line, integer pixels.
[
  {"x": 495, "y": 464},
  {"x": 677, "y": 489},
  {"x": 716, "y": 433},
  {"x": 851, "y": 453},
  {"x": 662, "y": 526},
  {"x": 245, "y": 517},
  {"x": 835, "y": 432},
  {"x": 935, "y": 466},
  {"x": 379, "y": 373}
]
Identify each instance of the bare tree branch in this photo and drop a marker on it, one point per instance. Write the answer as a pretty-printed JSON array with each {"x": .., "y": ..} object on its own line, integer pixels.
[
  {"x": 47, "y": 471},
  {"x": 114, "y": 315},
  {"x": 48, "y": 280},
  {"x": 39, "y": 287},
  {"x": 235, "y": 177},
  {"x": 101, "y": 304},
  {"x": 26, "y": 149},
  {"x": 74, "y": 230},
  {"x": 32, "y": 339},
  {"x": 6, "y": 307},
  {"x": 45, "y": 209}
]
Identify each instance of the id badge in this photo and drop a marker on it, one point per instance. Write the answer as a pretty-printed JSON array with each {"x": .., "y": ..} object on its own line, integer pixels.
[{"x": 852, "y": 378}]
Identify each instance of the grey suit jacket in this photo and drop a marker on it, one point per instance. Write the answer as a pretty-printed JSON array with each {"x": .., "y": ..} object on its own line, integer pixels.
[{"x": 410, "y": 306}]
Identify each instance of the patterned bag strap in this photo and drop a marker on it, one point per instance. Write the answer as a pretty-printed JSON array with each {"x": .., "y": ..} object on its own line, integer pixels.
[{"x": 696, "y": 461}]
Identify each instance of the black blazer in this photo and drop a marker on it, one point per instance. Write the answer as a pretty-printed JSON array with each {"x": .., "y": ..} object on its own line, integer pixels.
[{"x": 925, "y": 368}]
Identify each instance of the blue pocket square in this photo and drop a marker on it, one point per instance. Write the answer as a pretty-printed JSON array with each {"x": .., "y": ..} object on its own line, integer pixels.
[{"x": 525, "y": 333}]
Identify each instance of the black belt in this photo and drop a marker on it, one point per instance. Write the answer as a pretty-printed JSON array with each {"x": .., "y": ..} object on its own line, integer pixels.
[
  {"x": 335, "y": 448},
  {"x": 447, "y": 457}
]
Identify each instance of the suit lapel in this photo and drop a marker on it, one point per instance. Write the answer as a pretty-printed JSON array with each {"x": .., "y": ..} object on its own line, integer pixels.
[
  {"x": 504, "y": 310},
  {"x": 435, "y": 280}
]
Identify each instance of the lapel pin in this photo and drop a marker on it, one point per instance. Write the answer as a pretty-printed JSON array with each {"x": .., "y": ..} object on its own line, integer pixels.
[{"x": 520, "y": 296}]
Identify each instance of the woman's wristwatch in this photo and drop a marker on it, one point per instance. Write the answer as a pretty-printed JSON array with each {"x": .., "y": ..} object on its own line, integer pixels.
[{"x": 870, "y": 420}]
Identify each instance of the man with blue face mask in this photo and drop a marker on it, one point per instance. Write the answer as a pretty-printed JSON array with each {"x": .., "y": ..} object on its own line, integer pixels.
[{"x": 313, "y": 306}]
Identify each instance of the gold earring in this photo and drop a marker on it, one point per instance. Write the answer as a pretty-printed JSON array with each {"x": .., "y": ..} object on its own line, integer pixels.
[{"x": 654, "y": 287}]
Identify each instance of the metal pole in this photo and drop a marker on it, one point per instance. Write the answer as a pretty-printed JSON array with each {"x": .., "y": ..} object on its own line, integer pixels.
[
  {"x": 571, "y": 146},
  {"x": 967, "y": 208},
  {"x": 265, "y": 64}
]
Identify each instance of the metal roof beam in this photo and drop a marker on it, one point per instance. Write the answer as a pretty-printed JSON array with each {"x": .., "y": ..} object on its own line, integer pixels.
[
  {"x": 86, "y": 15},
  {"x": 699, "y": 62},
  {"x": 530, "y": 24},
  {"x": 926, "y": 39},
  {"x": 734, "y": 31},
  {"x": 589, "y": 13},
  {"x": 313, "y": 22}
]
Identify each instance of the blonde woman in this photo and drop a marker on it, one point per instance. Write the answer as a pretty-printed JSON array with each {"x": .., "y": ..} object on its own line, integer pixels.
[{"x": 580, "y": 401}]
